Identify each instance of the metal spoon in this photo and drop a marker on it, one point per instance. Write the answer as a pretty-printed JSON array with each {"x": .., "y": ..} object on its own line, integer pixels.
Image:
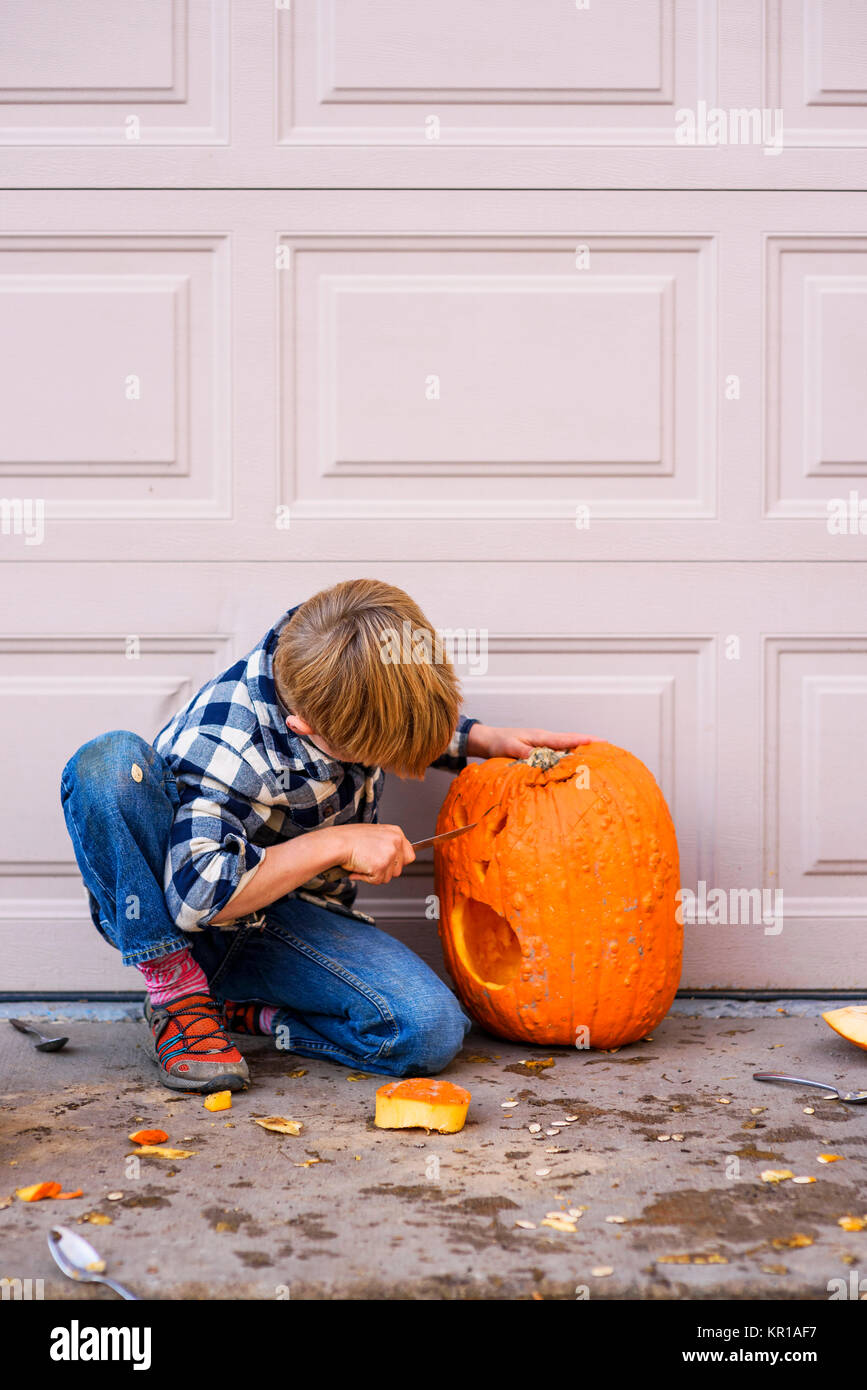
[
  {"x": 45, "y": 1044},
  {"x": 852, "y": 1097},
  {"x": 78, "y": 1259}
]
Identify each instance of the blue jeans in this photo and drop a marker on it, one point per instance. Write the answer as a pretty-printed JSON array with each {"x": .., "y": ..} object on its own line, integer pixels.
[{"x": 345, "y": 990}]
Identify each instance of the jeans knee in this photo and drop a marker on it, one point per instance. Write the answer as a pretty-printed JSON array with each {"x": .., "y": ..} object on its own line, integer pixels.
[
  {"x": 104, "y": 764},
  {"x": 432, "y": 1035}
]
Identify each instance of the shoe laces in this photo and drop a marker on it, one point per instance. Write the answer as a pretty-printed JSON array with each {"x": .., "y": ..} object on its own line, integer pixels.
[{"x": 191, "y": 1017}]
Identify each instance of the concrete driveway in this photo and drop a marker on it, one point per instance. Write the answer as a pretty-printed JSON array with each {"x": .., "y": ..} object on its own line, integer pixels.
[{"x": 659, "y": 1161}]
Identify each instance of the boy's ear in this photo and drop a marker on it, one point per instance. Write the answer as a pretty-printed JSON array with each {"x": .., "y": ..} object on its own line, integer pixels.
[{"x": 298, "y": 725}]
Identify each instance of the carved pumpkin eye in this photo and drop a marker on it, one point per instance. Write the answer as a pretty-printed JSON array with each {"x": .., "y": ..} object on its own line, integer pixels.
[{"x": 558, "y": 912}]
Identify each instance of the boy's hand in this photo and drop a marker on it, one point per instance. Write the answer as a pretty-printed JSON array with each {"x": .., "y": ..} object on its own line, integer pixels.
[
  {"x": 375, "y": 853},
  {"x": 486, "y": 741}
]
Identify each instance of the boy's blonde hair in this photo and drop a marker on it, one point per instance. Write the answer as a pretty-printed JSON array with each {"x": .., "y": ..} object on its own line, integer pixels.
[{"x": 336, "y": 666}]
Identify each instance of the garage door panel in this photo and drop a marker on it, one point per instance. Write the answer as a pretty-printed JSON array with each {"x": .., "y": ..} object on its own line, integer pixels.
[
  {"x": 401, "y": 93},
  {"x": 56, "y": 693},
  {"x": 93, "y": 72},
  {"x": 816, "y": 70},
  {"x": 443, "y": 359},
  {"x": 359, "y": 72},
  {"x": 69, "y": 690},
  {"x": 114, "y": 393},
  {"x": 816, "y": 365},
  {"x": 816, "y": 832},
  {"x": 563, "y": 386}
]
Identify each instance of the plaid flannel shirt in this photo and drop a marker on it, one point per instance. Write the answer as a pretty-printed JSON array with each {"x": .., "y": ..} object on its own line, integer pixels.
[{"x": 246, "y": 782}]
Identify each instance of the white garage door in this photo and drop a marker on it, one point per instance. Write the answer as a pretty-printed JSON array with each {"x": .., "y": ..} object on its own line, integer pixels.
[{"x": 441, "y": 294}]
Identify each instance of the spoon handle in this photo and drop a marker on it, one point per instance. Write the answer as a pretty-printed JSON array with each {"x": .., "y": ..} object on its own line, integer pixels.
[
  {"x": 119, "y": 1288},
  {"x": 25, "y": 1027},
  {"x": 797, "y": 1080}
]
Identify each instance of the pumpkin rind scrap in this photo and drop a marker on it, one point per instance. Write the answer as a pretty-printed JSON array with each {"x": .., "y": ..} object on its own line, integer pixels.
[
  {"x": 421, "y": 1103},
  {"x": 558, "y": 911},
  {"x": 850, "y": 1023}
]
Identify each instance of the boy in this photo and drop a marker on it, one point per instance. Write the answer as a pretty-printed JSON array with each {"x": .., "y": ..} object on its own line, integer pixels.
[{"x": 221, "y": 861}]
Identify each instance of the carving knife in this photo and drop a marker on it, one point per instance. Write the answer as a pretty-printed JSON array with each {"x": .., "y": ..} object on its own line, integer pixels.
[{"x": 451, "y": 834}]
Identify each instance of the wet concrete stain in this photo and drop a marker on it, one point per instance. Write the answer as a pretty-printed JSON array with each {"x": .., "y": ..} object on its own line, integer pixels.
[
  {"x": 152, "y": 1198},
  {"x": 309, "y": 1224},
  {"x": 486, "y": 1206},
  {"x": 789, "y": 1136},
  {"x": 539, "y": 1074},
  {"x": 750, "y": 1151},
  {"x": 73, "y": 1105},
  {"x": 620, "y": 1061},
  {"x": 230, "y": 1220},
  {"x": 748, "y": 1212},
  {"x": 428, "y": 1191}
]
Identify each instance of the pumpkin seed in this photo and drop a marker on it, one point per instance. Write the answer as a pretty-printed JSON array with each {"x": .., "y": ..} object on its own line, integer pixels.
[
  {"x": 542, "y": 1172},
  {"x": 560, "y": 1223},
  {"x": 616, "y": 1220},
  {"x": 776, "y": 1174},
  {"x": 526, "y": 1225},
  {"x": 602, "y": 1271},
  {"x": 534, "y": 1128}
]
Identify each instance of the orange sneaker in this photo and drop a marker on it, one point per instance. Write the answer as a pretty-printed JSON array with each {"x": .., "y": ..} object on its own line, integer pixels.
[{"x": 191, "y": 1048}]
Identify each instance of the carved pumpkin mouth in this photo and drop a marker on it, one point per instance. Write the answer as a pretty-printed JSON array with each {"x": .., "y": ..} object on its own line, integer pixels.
[{"x": 486, "y": 944}]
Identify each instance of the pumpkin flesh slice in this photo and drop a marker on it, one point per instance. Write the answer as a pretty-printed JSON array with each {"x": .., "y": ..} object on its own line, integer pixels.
[
  {"x": 419, "y": 1103},
  {"x": 850, "y": 1023}
]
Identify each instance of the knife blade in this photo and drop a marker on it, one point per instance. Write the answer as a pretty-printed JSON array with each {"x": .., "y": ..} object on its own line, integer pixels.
[
  {"x": 452, "y": 834},
  {"x": 446, "y": 835}
]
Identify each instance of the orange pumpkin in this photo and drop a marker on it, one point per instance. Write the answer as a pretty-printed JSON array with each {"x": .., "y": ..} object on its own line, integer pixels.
[{"x": 558, "y": 911}]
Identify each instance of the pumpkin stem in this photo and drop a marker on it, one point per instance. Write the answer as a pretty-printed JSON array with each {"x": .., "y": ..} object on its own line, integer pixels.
[{"x": 544, "y": 758}]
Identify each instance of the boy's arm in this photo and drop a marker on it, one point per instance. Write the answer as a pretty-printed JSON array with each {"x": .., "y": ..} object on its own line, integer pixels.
[
  {"x": 455, "y": 756},
  {"x": 283, "y": 868},
  {"x": 211, "y": 857},
  {"x": 370, "y": 853},
  {"x": 472, "y": 739}
]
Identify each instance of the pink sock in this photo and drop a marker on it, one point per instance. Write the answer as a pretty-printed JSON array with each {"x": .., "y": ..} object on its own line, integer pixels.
[
  {"x": 171, "y": 977},
  {"x": 267, "y": 1014}
]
